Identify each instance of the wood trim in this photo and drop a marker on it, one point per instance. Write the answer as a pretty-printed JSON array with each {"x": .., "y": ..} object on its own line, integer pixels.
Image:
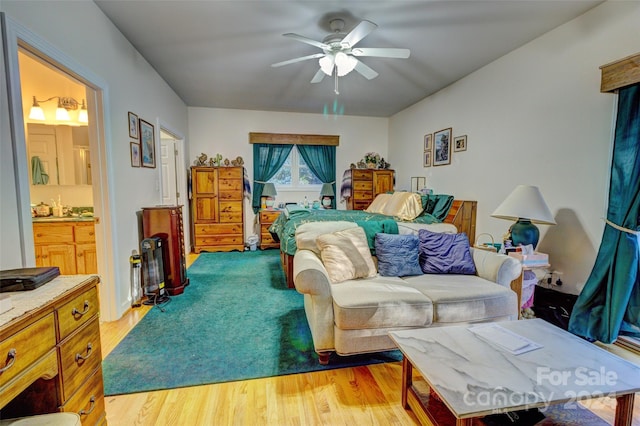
[
  {"x": 294, "y": 139},
  {"x": 621, "y": 73}
]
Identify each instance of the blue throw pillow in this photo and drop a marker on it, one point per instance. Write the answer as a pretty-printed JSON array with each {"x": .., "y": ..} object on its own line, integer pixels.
[
  {"x": 397, "y": 255},
  {"x": 445, "y": 253}
]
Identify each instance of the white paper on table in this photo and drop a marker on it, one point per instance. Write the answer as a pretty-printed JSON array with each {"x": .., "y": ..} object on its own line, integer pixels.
[{"x": 504, "y": 338}]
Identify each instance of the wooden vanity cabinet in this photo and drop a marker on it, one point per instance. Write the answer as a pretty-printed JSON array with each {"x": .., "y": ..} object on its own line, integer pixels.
[{"x": 71, "y": 246}]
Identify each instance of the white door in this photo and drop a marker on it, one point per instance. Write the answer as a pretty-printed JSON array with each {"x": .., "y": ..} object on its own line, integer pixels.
[{"x": 168, "y": 155}]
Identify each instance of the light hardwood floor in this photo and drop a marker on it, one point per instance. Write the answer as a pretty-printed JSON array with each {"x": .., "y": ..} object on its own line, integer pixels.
[{"x": 349, "y": 396}]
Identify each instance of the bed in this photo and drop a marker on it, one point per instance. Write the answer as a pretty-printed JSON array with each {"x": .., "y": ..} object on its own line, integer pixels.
[{"x": 460, "y": 216}]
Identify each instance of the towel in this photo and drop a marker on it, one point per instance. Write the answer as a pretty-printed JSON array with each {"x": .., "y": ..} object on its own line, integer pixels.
[
  {"x": 345, "y": 187},
  {"x": 38, "y": 173},
  {"x": 246, "y": 184}
]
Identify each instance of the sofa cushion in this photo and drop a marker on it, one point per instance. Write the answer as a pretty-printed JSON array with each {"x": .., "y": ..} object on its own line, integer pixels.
[
  {"x": 465, "y": 298},
  {"x": 397, "y": 255},
  {"x": 345, "y": 255},
  {"x": 307, "y": 233},
  {"x": 445, "y": 253},
  {"x": 378, "y": 303},
  {"x": 403, "y": 205}
]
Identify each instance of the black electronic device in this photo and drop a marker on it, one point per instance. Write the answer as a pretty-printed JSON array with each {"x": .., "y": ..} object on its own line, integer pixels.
[{"x": 24, "y": 279}]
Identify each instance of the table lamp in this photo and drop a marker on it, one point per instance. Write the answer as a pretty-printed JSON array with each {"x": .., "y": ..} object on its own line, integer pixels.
[
  {"x": 326, "y": 194},
  {"x": 526, "y": 206},
  {"x": 269, "y": 192}
]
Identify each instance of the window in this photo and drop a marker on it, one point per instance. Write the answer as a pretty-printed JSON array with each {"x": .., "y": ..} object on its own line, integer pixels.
[{"x": 295, "y": 174}]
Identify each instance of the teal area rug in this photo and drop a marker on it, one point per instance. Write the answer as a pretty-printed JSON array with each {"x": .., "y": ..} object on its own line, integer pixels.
[{"x": 236, "y": 320}]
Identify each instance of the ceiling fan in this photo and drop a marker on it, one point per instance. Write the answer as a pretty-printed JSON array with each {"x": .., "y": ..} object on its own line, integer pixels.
[{"x": 340, "y": 55}]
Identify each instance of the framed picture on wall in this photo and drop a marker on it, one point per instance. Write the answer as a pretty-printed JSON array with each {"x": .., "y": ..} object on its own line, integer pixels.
[
  {"x": 135, "y": 154},
  {"x": 133, "y": 126},
  {"x": 428, "y": 142},
  {"x": 427, "y": 159},
  {"x": 442, "y": 147},
  {"x": 460, "y": 143},
  {"x": 147, "y": 144}
]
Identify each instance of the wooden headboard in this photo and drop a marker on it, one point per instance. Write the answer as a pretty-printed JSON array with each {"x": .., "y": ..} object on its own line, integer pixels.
[{"x": 463, "y": 215}]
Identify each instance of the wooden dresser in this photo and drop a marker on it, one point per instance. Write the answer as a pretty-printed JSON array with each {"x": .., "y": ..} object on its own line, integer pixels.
[
  {"x": 71, "y": 246},
  {"x": 366, "y": 184},
  {"x": 217, "y": 208},
  {"x": 266, "y": 218},
  {"x": 166, "y": 222},
  {"x": 50, "y": 354}
]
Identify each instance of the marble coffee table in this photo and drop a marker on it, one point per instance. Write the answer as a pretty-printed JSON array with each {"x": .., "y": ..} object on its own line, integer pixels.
[{"x": 475, "y": 378}]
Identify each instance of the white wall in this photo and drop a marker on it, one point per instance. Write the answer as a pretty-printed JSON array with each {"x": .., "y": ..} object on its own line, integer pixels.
[
  {"x": 82, "y": 32},
  {"x": 535, "y": 116},
  {"x": 226, "y": 131}
]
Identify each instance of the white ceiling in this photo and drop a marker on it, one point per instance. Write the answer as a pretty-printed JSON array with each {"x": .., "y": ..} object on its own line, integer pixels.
[{"x": 218, "y": 54}]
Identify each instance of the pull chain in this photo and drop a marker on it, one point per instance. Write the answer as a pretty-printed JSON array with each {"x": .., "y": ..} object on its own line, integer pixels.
[{"x": 335, "y": 89}]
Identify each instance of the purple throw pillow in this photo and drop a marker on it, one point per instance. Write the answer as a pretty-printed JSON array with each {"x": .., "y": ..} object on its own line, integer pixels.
[{"x": 445, "y": 253}]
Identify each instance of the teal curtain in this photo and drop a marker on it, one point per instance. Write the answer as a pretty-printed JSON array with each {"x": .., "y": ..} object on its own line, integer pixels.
[
  {"x": 609, "y": 304},
  {"x": 321, "y": 160},
  {"x": 267, "y": 160}
]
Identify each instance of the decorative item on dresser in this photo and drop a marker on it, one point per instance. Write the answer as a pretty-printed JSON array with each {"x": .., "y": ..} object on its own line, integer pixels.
[
  {"x": 51, "y": 354},
  {"x": 366, "y": 184},
  {"x": 217, "y": 208},
  {"x": 166, "y": 222},
  {"x": 266, "y": 218}
]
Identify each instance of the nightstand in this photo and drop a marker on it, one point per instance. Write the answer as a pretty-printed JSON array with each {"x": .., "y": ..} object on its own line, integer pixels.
[{"x": 265, "y": 218}]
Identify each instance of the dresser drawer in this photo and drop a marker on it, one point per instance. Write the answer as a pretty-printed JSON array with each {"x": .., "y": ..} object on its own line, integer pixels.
[
  {"x": 85, "y": 233},
  {"x": 203, "y": 230},
  {"x": 88, "y": 401},
  {"x": 361, "y": 205},
  {"x": 77, "y": 312},
  {"x": 215, "y": 240},
  {"x": 230, "y": 211},
  {"x": 363, "y": 195},
  {"x": 230, "y": 172},
  {"x": 363, "y": 186},
  {"x": 80, "y": 354},
  {"x": 52, "y": 233},
  {"x": 22, "y": 349},
  {"x": 361, "y": 174}
]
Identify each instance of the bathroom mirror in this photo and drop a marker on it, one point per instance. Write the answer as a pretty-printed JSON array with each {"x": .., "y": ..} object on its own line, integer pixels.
[{"x": 58, "y": 154}]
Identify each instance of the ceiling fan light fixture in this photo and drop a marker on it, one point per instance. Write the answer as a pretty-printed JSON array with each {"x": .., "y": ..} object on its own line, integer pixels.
[
  {"x": 326, "y": 64},
  {"x": 345, "y": 63}
]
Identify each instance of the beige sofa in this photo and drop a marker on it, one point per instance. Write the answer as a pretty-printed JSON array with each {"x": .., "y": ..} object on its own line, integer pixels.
[{"x": 355, "y": 316}]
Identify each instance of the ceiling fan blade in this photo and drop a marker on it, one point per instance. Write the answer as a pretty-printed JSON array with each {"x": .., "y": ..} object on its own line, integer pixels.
[
  {"x": 302, "y": 58},
  {"x": 381, "y": 52},
  {"x": 366, "y": 72},
  {"x": 318, "y": 77},
  {"x": 359, "y": 32},
  {"x": 307, "y": 40}
]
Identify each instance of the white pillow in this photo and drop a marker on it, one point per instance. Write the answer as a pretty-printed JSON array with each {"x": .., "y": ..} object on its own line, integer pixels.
[
  {"x": 346, "y": 255},
  {"x": 307, "y": 233},
  {"x": 377, "y": 205},
  {"x": 403, "y": 205}
]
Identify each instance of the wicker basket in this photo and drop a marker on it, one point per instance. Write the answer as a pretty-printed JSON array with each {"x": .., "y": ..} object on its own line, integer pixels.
[{"x": 492, "y": 246}]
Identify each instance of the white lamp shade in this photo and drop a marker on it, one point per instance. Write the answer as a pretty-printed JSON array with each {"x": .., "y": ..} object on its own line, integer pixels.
[
  {"x": 62, "y": 114},
  {"x": 36, "y": 113},
  {"x": 345, "y": 63},
  {"x": 326, "y": 64},
  {"x": 525, "y": 202},
  {"x": 83, "y": 117}
]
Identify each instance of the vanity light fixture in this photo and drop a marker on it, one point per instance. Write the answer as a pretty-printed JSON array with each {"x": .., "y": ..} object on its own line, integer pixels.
[{"x": 65, "y": 104}]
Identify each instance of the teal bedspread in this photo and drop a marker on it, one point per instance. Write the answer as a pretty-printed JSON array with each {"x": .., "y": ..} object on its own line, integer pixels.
[{"x": 284, "y": 228}]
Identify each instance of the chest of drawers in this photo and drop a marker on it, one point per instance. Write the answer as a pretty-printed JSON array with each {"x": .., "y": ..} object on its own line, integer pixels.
[{"x": 50, "y": 354}]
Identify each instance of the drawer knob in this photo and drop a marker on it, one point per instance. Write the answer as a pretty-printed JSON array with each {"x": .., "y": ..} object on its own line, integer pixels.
[
  {"x": 92, "y": 401},
  {"x": 11, "y": 359},
  {"x": 84, "y": 358},
  {"x": 76, "y": 312}
]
